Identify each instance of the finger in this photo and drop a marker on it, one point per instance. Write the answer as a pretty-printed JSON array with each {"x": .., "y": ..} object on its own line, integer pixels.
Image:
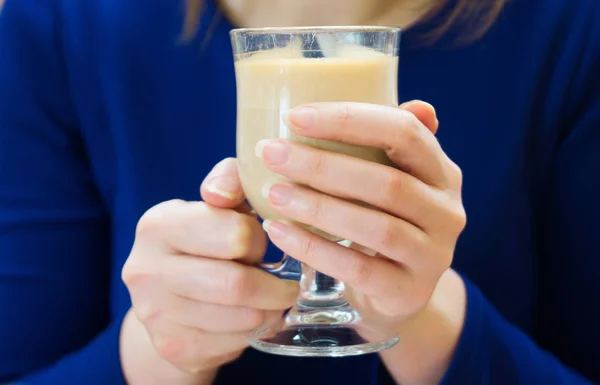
[
  {"x": 217, "y": 318},
  {"x": 222, "y": 187},
  {"x": 424, "y": 112},
  {"x": 407, "y": 142},
  {"x": 197, "y": 228},
  {"x": 151, "y": 303},
  {"x": 194, "y": 349},
  {"x": 227, "y": 283},
  {"x": 347, "y": 177},
  {"x": 390, "y": 236},
  {"x": 372, "y": 276},
  {"x": 376, "y": 284}
]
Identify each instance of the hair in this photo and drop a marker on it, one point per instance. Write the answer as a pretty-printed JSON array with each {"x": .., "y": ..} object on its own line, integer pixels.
[{"x": 473, "y": 18}]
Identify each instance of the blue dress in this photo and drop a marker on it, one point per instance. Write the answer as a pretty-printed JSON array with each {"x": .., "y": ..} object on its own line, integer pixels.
[{"x": 104, "y": 113}]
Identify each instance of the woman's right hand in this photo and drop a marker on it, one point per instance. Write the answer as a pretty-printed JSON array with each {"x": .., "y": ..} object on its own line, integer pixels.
[{"x": 192, "y": 281}]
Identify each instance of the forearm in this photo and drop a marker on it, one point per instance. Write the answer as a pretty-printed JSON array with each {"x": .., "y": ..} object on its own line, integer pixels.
[
  {"x": 427, "y": 341},
  {"x": 142, "y": 365}
]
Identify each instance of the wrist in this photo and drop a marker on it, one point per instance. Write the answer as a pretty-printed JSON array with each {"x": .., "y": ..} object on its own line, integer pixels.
[
  {"x": 142, "y": 365},
  {"x": 428, "y": 340}
]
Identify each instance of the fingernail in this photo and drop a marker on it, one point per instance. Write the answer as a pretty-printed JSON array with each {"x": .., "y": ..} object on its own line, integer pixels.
[
  {"x": 274, "y": 228},
  {"x": 266, "y": 188},
  {"x": 303, "y": 117},
  {"x": 260, "y": 146},
  {"x": 273, "y": 152},
  {"x": 279, "y": 194},
  {"x": 223, "y": 186}
]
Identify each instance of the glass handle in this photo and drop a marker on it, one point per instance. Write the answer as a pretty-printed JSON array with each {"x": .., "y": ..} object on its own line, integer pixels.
[{"x": 287, "y": 268}]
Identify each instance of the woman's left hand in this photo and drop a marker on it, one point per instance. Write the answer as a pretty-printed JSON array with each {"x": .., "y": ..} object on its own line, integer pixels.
[{"x": 420, "y": 212}]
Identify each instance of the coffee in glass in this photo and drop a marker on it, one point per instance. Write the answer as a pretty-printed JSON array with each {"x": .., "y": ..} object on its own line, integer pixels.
[{"x": 276, "y": 70}]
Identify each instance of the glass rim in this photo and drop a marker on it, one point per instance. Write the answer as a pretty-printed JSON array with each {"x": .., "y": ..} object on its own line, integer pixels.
[{"x": 316, "y": 29}]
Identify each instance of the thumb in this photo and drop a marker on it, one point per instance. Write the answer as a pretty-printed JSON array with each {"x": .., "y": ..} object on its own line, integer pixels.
[
  {"x": 222, "y": 187},
  {"x": 424, "y": 112}
]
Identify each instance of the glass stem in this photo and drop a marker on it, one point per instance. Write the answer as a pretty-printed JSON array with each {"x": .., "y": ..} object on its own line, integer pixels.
[{"x": 318, "y": 290}]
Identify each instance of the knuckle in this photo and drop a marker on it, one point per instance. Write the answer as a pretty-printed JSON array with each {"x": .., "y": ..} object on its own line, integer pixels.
[
  {"x": 360, "y": 271},
  {"x": 169, "y": 348},
  {"x": 455, "y": 175},
  {"x": 408, "y": 121},
  {"x": 315, "y": 164},
  {"x": 147, "y": 313},
  {"x": 238, "y": 285},
  {"x": 412, "y": 136},
  {"x": 421, "y": 242},
  {"x": 130, "y": 274},
  {"x": 387, "y": 234},
  {"x": 135, "y": 272},
  {"x": 420, "y": 250},
  {"x": 412, "y": 132},
  {"x": 344, "y": 114},
  {"x": 149, "y": 224},
  {"x": 393, "y": 185},
  {"x": 253, "y": 318},
  {"x": 319, "y": 212},
  {"x": 457, "y": 218},
  {"x": 405, "y": 137},
  {"x": 461, "y": 219},
  {"x": 310, "y": 249},
  {"x": 399, "y": 116},
  {"x": 456, "y": 171}
]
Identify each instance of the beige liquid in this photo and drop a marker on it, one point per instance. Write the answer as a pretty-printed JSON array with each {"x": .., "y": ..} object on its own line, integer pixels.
[{"x": 272, "y": 82}]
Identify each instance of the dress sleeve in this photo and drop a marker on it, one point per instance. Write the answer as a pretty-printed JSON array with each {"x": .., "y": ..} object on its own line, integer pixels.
[{"x": 54, "y": 236}]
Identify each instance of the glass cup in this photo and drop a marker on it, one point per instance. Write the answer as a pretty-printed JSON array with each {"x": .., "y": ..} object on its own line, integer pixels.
[{"x": 278, "y": 69}]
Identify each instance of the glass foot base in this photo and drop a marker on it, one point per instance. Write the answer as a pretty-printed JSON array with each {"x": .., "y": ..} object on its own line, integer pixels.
[{"x": 313, "y": 332}]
